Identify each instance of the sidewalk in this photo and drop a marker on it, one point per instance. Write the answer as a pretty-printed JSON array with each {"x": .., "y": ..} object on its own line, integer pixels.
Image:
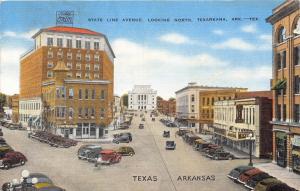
[{"x": 283, "y": 174}]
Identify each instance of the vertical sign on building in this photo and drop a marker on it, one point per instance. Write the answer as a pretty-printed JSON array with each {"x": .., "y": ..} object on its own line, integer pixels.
[{"x": 64, "y": 17}]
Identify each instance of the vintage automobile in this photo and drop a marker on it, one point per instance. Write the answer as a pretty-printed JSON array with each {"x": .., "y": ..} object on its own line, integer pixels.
[
  {"x": 121, "y": 139},
  {"x": 251, "y": 183},
  {"x": 280, "y": 187},
  {"x": 190, "y": 138},
  {"x": 236, "y": 172},
  {"x": 126, "y": 151},
  {"x": 211, "y": 152},
  {"x": 183, "y": 131},
  {"x": 2, "y": 141},
  {"x": 3, "y": 151},
  {"x": 199, "y": 144},
  {"x": 170, "y": 145},
  {"x": 108, "y": 157},
  {"x": 15, "y": 126},
  {"x": 141, "y": 126},
  {"x": 266, "y": 183},
  {"x": 171, "y": 124},
  {"x": 1, "y": 132},
  {"x": 84, "y": 151},
  {"x": 222, "y": 156},
  {"x": 143, "y": 119},
  {"x": 123, "y": 127},
  {"x": 210, "y": 147},
  {"x": 166, "y": 134},
  {"x": 125, "y": 133},
  {"x": 153, "y": 119},
  {"x": 11, "y": 159},
  {"x": 245, "y": 176}
]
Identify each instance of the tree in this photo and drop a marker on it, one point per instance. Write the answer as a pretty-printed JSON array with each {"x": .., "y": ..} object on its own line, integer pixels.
[
  {"x": 2, "y": 102},
  {"x": 159, "y": 98},
  {"x": 171, "y": 99}
]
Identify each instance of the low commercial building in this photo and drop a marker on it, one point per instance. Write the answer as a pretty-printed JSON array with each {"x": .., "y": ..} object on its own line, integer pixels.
[
  {"x": 166, "y": 107},
  {"x": 239, "y": 121},
  {"x": 206, "y": 104},
  {"x": 142, "y": 97}
]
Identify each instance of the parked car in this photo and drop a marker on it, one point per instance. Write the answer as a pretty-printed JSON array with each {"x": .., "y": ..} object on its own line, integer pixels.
[
  {"x": 199, "y": 144},
  {"x": 143, "y": 119},
  {"x": 266, "y": 183},
  {"x": 4, "y": 150},
  {"x": 2, "y": 141},
  {"x": 245, "y": 176},
  {"x": 170, "y": 145},
  {"x": 171, "y": 124},
  {"x": 124, "y": 127},
  {"x": 153, "y": 119},
  {"x": 251, "y": 183},
  {"x": 126, "y": 151},
  {"x": 121, "y": 139},
  {"x": 94, "y": 154},
  {"x": 211, "y": 152},
  {"x": 108, "y": 157},
  {"x": 222, "y": 156},
  {"x": 15, "y": 126},
  {"x": 183, "y": 131},
  {"x": 125, "y": 133},
  {"x": 141, "y": 126},
  {"x": 166, "y": 134},
  {"x": 280, "y": 187},
  {"x": 84, "y": 150},
  {"x": 236, "y": 172},
  {"x": 12, "y": 159}
]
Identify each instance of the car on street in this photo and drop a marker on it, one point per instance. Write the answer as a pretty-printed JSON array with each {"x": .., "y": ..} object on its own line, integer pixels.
[
  {"x": 211, "y": 152},
  {"x": 2, "y": 141},
  {"x": 236, "y": 172},
  {"x": 123, "y": 127},
  {"x": 170, "y": 145},
  {"x": 222, "y": 156},
  {"x": 143, "y": 119},
  {"x": 171, "y": 124},
  {"x": 84, "y": 151},
  {"x": 166, "y": 134},
  {"x": 109, "y": 157},
  {"x": 280, "y": 187},
  {"x": 251, "y": 183},
  {"x": 1, "y": 132},
  {"x": 125, "y": 133},
  {"x": 15, "y": 126},
  {"x": 121, "y": 139},
  {"x": 11, "y": 159},
  {"x": 247, "y": 175},
  {"x": 153, "y": 119},
  {"x": 265, "y": 184},
  {"x": 126, "y": 151},
  {"x": 141, "y": 126},
  {"x": 183, "y": 131},
  {"x": 199, "y": 144}
]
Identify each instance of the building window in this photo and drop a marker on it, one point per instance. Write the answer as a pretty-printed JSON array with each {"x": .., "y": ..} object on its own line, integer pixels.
[
  {"x": 96, "y": 67},
  {"x": 96, "y": 76},
  {"x": 278, "y": 114},
  {"x": 80, "y": 112},
  {"x": 102, "y": 96},
  {"x": 284, "y": 112},
  {"x": 87, "y": 67},
  {"x": 96, "y": 45},
  {"x": 88, "y": 57},
  {"x": 69, "y": 65},
  {"x": 93, "y": 94},
  {"x": 87, "y": 45},
  {"x": 69, "y": 75},
  {"x": 87, "y": 76},
  {"x": 86, "y": 112},
  {"x": 192, "y": 98},
  {"x": 78, "y": 75},
  {"x": 60, "y": 54},
  {"x": 78, "y": 43},
  {"x": 281, "y": 60},
  {"x": 80, "y": 94},
  {"x": 78, "y": 56},
  {"x": 50, "y": 54},
  {"x": 92, "y": 112},
  {"x": 71, "y": 112},
  {"x": 50, "y": 64},
  {"x": 69, "y": 43},
  {"x": 71, "y": 93},
  {"x": 49, "y": 74},
  {"x": 96, "y": 58},
  {"x": 59, "y": 42},
  {"x": 49, "y": 41},
  {"x": 297, "y": 55},
  {"x": 296, "y": 112},
  {"x": 60, "y": 112},
  {"x": 281, "y": 35},
  {"x": 78, "y": 66},
  {"x": 69, "y": 55},
  {"x": 207, "y": 101},
  {"x": 297, "y": 85},
  {"x": 102, "y": 112},
  {"x": 86, "y": 94},
  {"x": 212, "y": 101}
]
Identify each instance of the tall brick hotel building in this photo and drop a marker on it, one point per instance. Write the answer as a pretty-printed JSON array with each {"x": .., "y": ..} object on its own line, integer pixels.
[
  {"x": 285, "y": 20},
  {"x": 67, "y": 81}
]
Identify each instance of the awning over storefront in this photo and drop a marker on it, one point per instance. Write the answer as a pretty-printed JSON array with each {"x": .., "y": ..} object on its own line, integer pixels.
[{"x": 280, "y": 84}]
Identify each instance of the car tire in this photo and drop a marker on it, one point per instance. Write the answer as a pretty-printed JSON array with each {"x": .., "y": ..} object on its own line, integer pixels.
[
  {"x": 117, "y": 142},
  {"x": 22, "y": 162},
  {"x": 216, "y": 158},
  {"x": 131, "y": 154},
  {"x": 230, "y": 158},
  {"x": 6, "y": 166}
]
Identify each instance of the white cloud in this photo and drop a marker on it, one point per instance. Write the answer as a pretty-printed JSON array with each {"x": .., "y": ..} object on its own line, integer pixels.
[
  {"x": 9, "y": 69},
  {"x": 236, "y": 44},
  {"x": 218, "y": 32},
  {"x": 249, "y": 28},
  {"x": 25, "y": 35},
  {"x": 176, "y": 38},
  {"x": 168, "y": 71}
]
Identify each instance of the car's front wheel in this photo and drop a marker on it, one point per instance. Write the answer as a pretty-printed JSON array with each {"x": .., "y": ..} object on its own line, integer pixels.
[
  {"x": 6, "y": 166},
  {"x": 22, "y": 162},
  {"x": 131, "y": 154},
  {"x": 216, "y": 158}
]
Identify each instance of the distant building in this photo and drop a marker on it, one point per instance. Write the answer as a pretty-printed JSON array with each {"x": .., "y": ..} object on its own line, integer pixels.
[
  {"x": 187, "y": 103},
  {"x": 142, "y": 97},
  {"x": 166, "y": 107},
  {"x": 236, "y": 119},
  {"x": 66, "y": 82},
  {"x": 15, "y": 108},
  {"x": 285, "y": 21},
  {"x": 117, "y": 104}
]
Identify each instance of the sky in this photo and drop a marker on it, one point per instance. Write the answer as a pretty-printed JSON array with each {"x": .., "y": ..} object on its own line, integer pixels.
[{"x": 234, "y": 52}]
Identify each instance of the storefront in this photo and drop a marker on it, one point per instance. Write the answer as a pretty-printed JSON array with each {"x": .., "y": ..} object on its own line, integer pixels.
[
  {"x": 296, "y": 153},
  {"x": 281, "y": 149}
]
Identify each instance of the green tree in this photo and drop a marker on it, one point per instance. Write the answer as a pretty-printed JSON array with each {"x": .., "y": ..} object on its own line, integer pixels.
[
  {"x": 2, "y": 102},
  {"x": 159, "y": 98},
  {"x": 171, "y": 99}
]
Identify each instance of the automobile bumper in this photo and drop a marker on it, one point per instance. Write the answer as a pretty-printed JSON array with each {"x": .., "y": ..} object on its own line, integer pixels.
[
  {"x": 251, "y": 188},
  {"x": 231, "y": 177},
  {"x": 240, "y": 181}
]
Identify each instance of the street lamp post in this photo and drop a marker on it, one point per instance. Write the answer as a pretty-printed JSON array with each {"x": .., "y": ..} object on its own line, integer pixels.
[{"x": 250, "y": 151}]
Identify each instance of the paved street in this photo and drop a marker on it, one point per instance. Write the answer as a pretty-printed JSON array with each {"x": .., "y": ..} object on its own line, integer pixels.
[{"x": 151, "y": 160}]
